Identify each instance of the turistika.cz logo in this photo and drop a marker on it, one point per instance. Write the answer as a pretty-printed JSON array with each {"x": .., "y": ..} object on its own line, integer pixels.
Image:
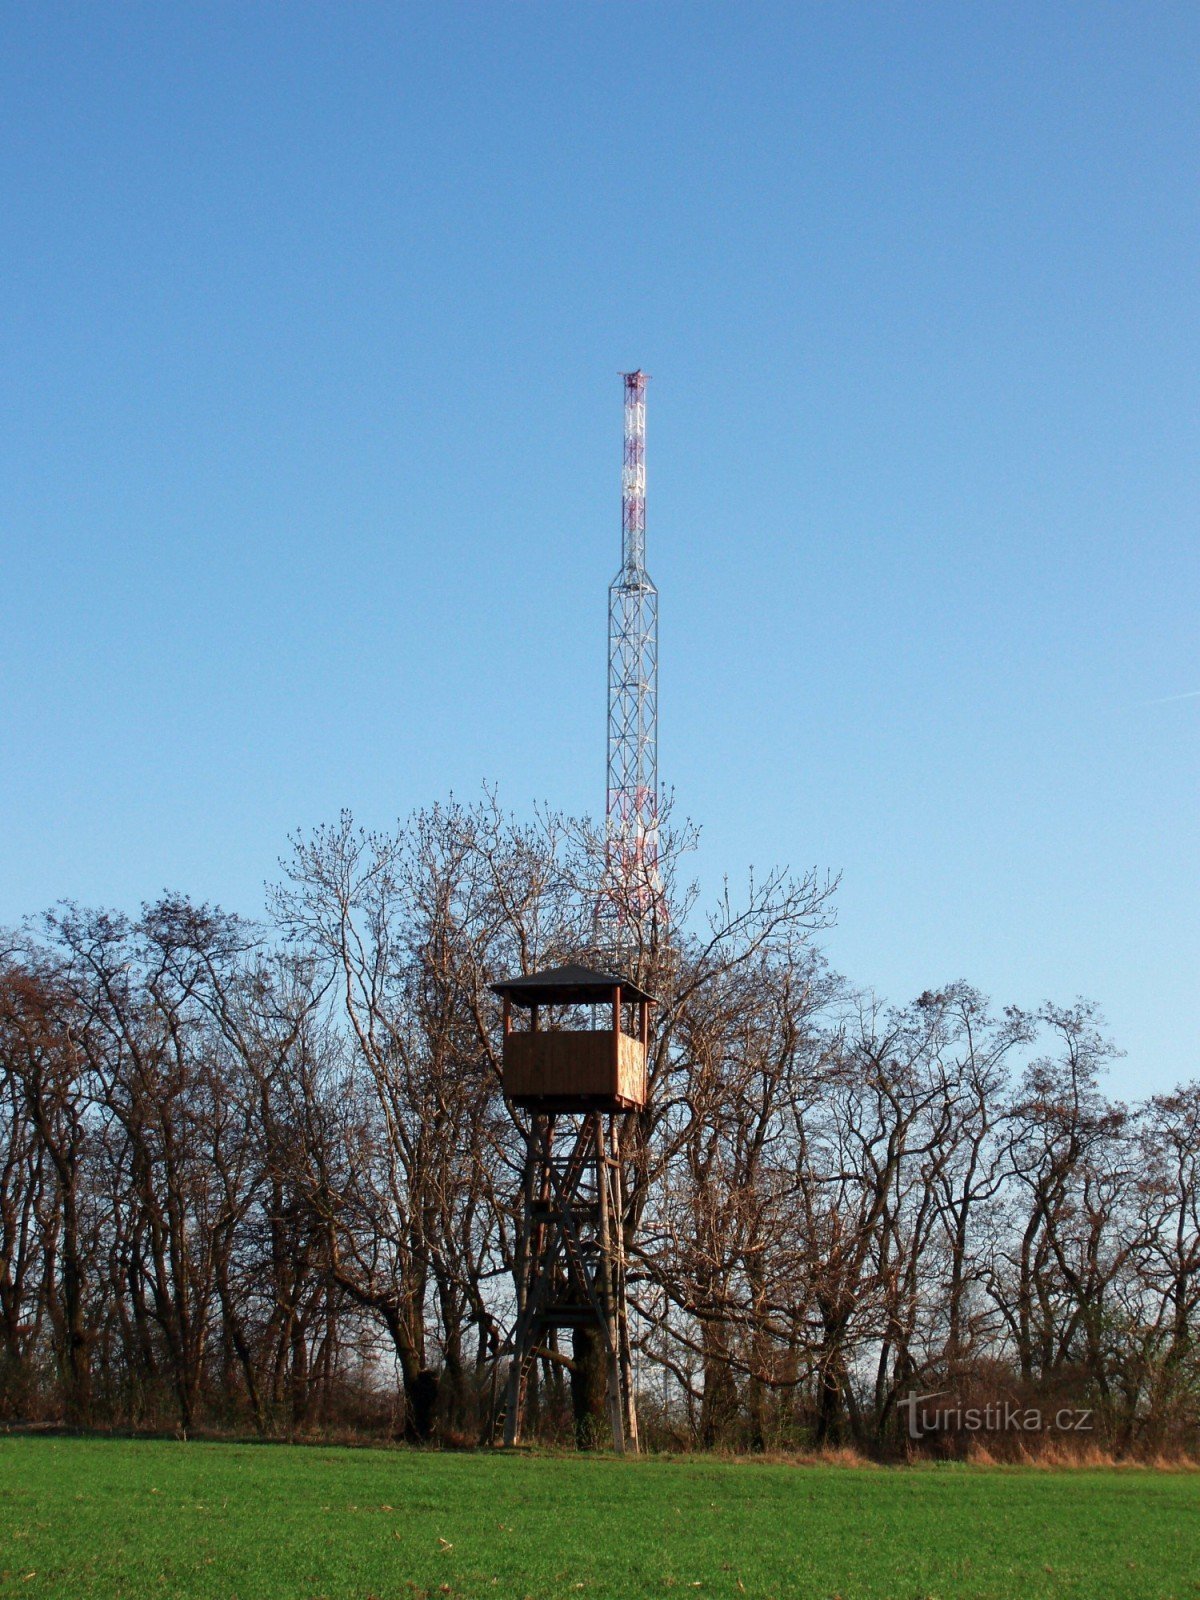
[{"x": 999, "y": 1416}]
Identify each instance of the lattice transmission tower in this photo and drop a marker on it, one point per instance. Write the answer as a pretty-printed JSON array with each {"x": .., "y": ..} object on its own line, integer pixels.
[{"x": 634, "y": 890}]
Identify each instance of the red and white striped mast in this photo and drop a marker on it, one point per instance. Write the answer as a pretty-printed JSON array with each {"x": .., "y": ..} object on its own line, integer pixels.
[{"x": 632, "y": 799}]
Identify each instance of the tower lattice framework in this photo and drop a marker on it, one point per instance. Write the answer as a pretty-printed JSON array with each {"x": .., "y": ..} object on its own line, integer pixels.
[
  {"x": 632, "y": 799},
  {"x": 571, "y": 1261}
]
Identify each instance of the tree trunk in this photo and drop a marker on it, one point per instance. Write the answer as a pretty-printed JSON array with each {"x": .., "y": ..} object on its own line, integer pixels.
[{"x": 589, "y": 1382}]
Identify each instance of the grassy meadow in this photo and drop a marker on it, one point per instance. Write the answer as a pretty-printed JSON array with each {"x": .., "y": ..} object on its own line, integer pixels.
[{"x": 94, "y": 1517}]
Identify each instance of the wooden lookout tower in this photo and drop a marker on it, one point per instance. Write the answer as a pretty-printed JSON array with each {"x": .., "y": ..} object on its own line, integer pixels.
[{"x": 576, "y": 1083}]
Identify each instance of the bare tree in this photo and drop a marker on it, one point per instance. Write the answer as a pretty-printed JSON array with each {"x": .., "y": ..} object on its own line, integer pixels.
[{"x": 45, "y": 1071}]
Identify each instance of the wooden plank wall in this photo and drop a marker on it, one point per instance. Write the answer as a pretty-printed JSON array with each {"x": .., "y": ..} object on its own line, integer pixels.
[{"x": 580, "y": 1062}]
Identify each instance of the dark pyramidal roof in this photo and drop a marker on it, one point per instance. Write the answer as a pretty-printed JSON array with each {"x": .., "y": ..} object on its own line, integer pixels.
[{"x": 568, "y": 986}]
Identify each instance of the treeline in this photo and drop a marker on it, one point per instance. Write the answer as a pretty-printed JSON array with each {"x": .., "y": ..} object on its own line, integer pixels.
[{"x": 264, "y": 1177}]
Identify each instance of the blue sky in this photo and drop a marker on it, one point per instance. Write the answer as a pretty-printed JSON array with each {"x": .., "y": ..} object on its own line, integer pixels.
[{"x": 309, "y": 471}]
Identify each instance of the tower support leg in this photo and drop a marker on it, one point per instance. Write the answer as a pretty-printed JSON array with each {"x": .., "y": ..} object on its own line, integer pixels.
[{"x": 570, "y": 1263}]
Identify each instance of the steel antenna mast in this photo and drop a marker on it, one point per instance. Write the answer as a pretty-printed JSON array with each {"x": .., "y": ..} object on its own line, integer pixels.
[{"x": 632, "y": 803}]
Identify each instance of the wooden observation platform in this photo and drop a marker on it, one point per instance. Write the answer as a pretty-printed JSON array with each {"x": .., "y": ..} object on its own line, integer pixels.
[
  {"x": 581, "y": 1069},
  {"x": 577, "y": 1083}
]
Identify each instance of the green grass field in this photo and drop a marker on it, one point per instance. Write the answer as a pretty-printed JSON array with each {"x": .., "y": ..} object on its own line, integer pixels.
[{"x": 87, "y": 1517}]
